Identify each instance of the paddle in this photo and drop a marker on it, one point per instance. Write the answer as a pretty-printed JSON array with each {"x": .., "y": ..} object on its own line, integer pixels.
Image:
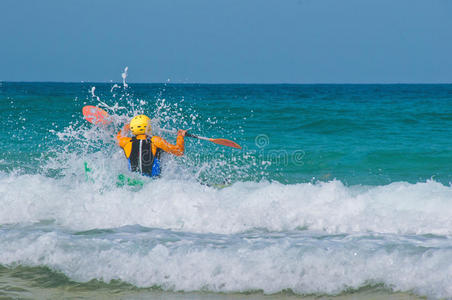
[
  {"x": 223, "y": 142},
  {"x": 98, "y": 116}
]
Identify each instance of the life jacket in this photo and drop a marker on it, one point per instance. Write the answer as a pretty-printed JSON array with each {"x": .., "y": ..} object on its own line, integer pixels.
[{"x": 141, "y": 158}]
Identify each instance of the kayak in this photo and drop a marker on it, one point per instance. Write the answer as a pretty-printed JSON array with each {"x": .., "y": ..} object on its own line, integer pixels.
[{"x": 122, "y": 180}]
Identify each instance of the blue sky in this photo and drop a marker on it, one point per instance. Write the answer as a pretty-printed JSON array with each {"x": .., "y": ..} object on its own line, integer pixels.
[{"x": 227, "y": 41}]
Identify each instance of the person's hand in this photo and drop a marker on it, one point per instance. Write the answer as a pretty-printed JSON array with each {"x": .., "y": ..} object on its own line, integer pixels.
[
  {"x": 126, "y": 128},
  {"x": 181, "y": 132}
]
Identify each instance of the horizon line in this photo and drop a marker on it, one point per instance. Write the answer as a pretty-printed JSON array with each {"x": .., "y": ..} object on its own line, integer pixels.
[{"x": 237, "y": 83}]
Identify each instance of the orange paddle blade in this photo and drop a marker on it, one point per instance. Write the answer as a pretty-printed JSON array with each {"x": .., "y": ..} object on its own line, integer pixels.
[
  {"x": 96, "y": 115},
  {"x": 226, "y": 143}
]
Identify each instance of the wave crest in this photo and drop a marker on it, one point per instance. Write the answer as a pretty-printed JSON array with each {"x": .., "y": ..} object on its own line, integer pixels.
[{"x": 400, "y": 207}]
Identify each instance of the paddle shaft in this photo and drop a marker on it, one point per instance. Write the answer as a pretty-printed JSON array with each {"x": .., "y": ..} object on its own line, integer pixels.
[
  {"x": 222, "y": 142},
  {"x": 197, "y": 137},
  {"x": 186, "y": 134}
]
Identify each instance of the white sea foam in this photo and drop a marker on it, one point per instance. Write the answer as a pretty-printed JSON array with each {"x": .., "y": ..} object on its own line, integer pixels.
[
  {"x": 303, "y": 264},
  {"x": 421, "y": 208}
]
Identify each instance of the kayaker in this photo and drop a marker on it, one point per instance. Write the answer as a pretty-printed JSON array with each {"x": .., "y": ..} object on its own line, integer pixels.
[{"x": 143, "y": 149}]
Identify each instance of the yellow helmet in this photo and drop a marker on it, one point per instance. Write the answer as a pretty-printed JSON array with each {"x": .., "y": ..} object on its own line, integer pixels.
[{"x": 140, "y": 124}]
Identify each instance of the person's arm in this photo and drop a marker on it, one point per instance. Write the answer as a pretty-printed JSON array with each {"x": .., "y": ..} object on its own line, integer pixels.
[
  {"x": 122, "y": 139},
  {"x": 177, "y": 149}
]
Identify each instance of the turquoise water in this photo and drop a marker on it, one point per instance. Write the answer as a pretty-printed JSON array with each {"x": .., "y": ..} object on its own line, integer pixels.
[
  {"x": 358, "y": 134},
  {"x": 337, "y": 188}
]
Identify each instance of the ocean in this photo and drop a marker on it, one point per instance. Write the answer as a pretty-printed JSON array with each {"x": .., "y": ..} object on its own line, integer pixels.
[{"x": 338, "y": 192}]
